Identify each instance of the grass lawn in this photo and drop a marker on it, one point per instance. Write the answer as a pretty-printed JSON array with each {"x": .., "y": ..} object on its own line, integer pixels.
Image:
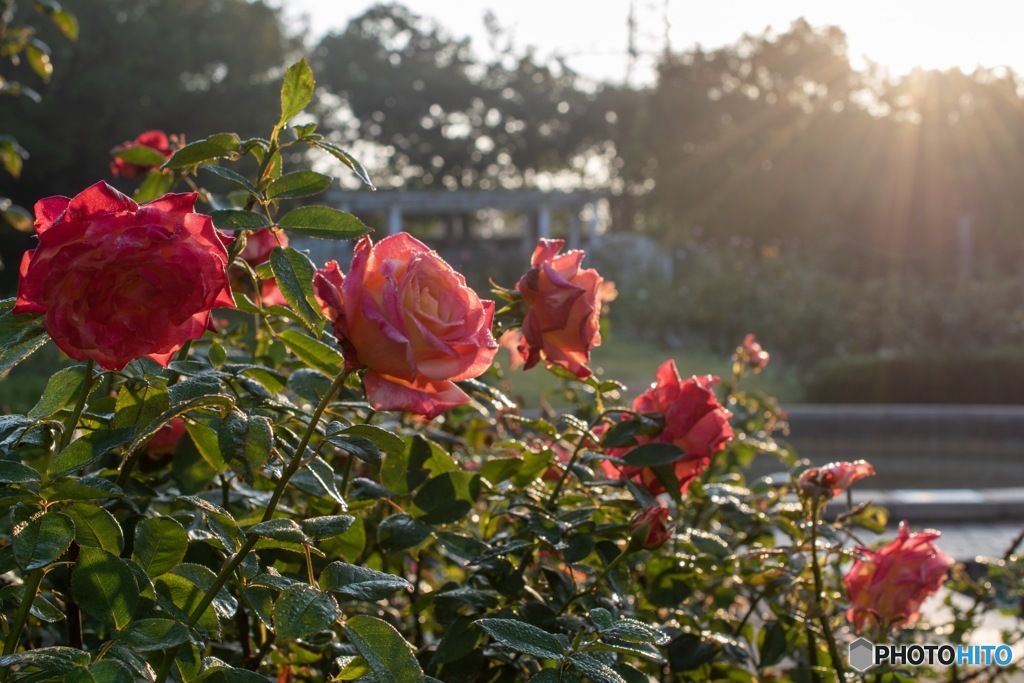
[{"x": 633, "y": 363}]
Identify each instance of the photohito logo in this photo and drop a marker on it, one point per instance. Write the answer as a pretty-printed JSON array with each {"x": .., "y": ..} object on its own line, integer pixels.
[{"x": 864, "y": 654}]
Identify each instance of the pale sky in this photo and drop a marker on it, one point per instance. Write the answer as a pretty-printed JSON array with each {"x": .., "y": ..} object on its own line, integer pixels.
[{"x": 592, "y": 34}]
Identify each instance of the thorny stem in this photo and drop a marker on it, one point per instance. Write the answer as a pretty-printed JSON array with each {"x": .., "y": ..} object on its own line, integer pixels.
[
  {"x": 236, "y": 560},
  {"x": 819, "y": 589},
  {"x": 32, "y": 581}
]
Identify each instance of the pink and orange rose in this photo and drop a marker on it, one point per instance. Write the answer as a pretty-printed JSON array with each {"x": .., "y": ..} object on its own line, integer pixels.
[
  {"x": 887, "y": 586},
  {"x": 411, "y": 321},
  {"x": 693, "y": 420},
  {"x": 832, "y": 479},
  {"x": 117, "y": 281},
  {"x": 563, "y": 309}
]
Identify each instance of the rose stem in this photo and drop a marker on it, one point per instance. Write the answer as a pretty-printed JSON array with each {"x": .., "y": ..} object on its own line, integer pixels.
[
  {"x": 232, "y": 564},
  {"x": 819, "y": 590},
  {"x": 32, "y": 580}
]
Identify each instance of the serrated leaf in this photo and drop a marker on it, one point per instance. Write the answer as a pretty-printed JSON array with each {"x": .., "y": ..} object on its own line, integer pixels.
[
  {"x": 347, "y": 159},
  {"x": 324, "y": 475},
  {"x": 227, "y": 674},
  {"x": 387, "y": 653},
  {"x": 21, "y": 335},
  {"x": 401, "y": 531},
  {"x": 141, "y": 155},
  {"x": 95, "y": 527},
  {"x": 324, "y": 222},
  {"x": 298, "y": 184},
  {"x": 245, "y": 442},
  {"x": 448, "y": 497},
  {"x": 105, "y": 587},
  {"x": 280, "y": 529},
  {"x": 89, "y": 448},
  {"x": 220, "y": 521},
  {"x": 525, "y": 638},
  {"x": 63, "y": 387},
  {"x": 294, "y": 273},
  {"x": 296, "y": 90},
  {"x": 86, "y": 488},
  {"x": 140, "y": 404},
  {"x": 50, "y": 659},
  {"x": 233, "y": 177},
  {"x": 103, "y": 671},
  {"x": 360, "y": 582},
  {"x": 236, "y": 219},
  {"x": 16, "y": 473},
  {"x": 313, "y": 352},
  {"x": 653, "y": 454},
  {"x": 302, "y": 610},
  {"x": 147, "y": 635},
  {"x": 327, "y": 527},
  {"x": 160, "y": 544},
  {"x": 156, "y": 185},
  {"x": 594, "y": 669},
  {"x": 42, "y": 539},
  {"x": 213, "y": 147}
]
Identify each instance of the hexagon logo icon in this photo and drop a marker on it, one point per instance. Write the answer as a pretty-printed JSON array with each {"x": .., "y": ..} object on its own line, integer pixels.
[{"x": 862, "y": 654}]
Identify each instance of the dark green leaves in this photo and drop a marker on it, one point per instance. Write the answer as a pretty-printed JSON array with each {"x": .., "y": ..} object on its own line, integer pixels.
[
  {"x": 146, "y": 635},
  {"x": 235, "y": 219},
  {"x": 323, "y": 222},
  {"x": 345, "y": 158},
  {"x": 95, "y": 527},
  {"x": 653, "y": 454},
  {"x": 140, "y": 155},
  {"x": 302, "y": 610},
  {"x": 105, "y": 587},
  {"x": 20, "y": 335},
  {"x": 448, "y": 497},
  {"x": 15, "y": 473},
  {"x": 360, "y": 582},
  {"x": 388, "y": 655},
  {"x": 401, "y": 531},
  {"x": 298, "y": 184},
  {"x": 42, "y": 539},
  {"x": 313, "y": 352},
  {"x": 296, "y": 91},
  {"x": 213, "y": 147},
  {"x": 245, "y": 442},
  {"x": 525, "y": 638},
  {"x": 294, "y": 273},
  {"x": 89, "y": 448}
]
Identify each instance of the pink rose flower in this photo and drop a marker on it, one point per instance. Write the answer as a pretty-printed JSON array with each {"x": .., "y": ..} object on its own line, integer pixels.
[
  {"x": 886, "y": 587},
  {"x": 649, "y": 528},
  {"x": 411, "y": 321},
  {"x": 694, "y": 420},
  {"x": 563, "y": 311},
  {"x": 118, "y": 281},
  {"x": 832, "y": 479},
  {"x": 154, "y": 139}
]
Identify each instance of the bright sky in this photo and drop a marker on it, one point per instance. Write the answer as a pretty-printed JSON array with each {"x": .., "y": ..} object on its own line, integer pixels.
[{"x": 592, "y": 34}]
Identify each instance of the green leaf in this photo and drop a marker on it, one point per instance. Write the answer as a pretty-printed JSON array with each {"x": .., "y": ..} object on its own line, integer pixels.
[
  {"x": 53, "y": 660},
  {"x": 39, "y": 61},
  {"x": 87, "y": 449},
  {"x": 205, "y": 440},
  {"x": 296, "y": 90},
  {"x": 17, "y": 217},
  {"x": 313, "y": 352},
  {"x": 236, "y": 219},
  {"x": 140, "y": 404},
  {"x": 95, "y": 527},
  {"x": 86, "y": 488},
  {"x": 233, "y": 177},
  {"x": 220, "y": 522},
  {"x": 65, "y": 21},
  {"x": 327, "y": 527},
  {"x": 772, "y": 644},
  {"x": 594, "y": 669},
  {"x": 16, "y": 473},
  {"x": 20, "y": 335},
  {"x": 213, "y": 147},
  {"x": 386, "y": 441},
  {"x": 302, "y": 610},
  {"x": 448, "y": 497},
  {"x": 12, "y": 155},
  {"x": 147, "y": 635},
  {"x": 298, "y": 184},
  {"x": 245, "y": 442},
  {"x": 103, "y": 671},
  {"x": 280, "y": 529},
  {"x": 389, "y": 656},
  {"x": 324, "y": 222},
  {"x": 141, "y": 155},
  {"x": 180, "y": 597},
  {"x": 653, "y": 454},
  {"x": 227, "y": 674},
  {"x": 156, "y": 185},
  {"x": 294, "y": 273},
  {"x": 525, "y": 638},
  {"x": 360, "y": 582},
  {"x": 41, "y": 540},
  {"x": 224, "y": 604},
  {"x": 634, "y": 631},
  {"x": 63, "y": 387},
  {"x": 160, "y": 544},
  {"x": 401, "y": 531},
  {"x": 345, "y": 158},
  {"x": 105, "y": 587}
]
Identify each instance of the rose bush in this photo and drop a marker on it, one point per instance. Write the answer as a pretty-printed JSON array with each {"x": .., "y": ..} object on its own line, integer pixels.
[
  {"x": 406, "y": 316},
  {"x": 118, "y": 281},
  {"x": 318, "y": 520}
]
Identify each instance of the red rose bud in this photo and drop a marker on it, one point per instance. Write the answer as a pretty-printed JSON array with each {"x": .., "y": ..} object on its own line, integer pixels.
[
  {"x": 694, "y": 420},
  {"x": 887, "y": 586},
  {"x": 117, "y": 281},
  {"x": 563, "y": 313},
  {"x": 832, "y": 479},
  {"x": 406, "y": 316},
  {"x": 156, "y": 140},
  {"x": 751, "y": 354},
  {"x": 649, "y": 528}
]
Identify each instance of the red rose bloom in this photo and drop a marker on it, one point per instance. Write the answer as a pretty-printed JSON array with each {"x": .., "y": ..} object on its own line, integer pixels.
[
  {"x": 406, "y": 316},
  {"x": 563, "y": 311},
  {"x": 694, "y": 420},
  {"x": 118, "y": 281},
  {"x": 165, "y": 441},
  {"x": 886, "y": 587},
  {"x": 832, "y": 479},
  {"x": 154, "y": 139}
]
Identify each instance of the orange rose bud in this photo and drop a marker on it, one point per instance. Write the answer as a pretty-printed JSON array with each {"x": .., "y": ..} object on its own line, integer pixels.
[
  {"x": 832, "y": 479},
  {"x": 649, "y": 528},
  {"x": 887, "y": 586}
]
